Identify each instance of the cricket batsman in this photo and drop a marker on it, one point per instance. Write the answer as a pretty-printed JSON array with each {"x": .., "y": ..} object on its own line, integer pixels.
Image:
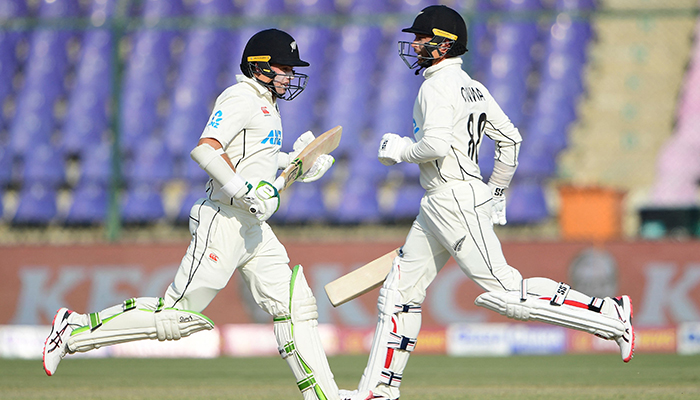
[
  {"x": 451, "y": 115},
  {"x": 240, "y": 150}
]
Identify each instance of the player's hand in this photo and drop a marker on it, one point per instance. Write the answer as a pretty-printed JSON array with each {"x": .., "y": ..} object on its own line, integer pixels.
[
  {"x": 391, "y": 147},
  {"x": 302, "y": 141},
  {"x": 498, "y": 206},
  {"x": 322, "y": 164},
  {"x": 263, "y": 201}
]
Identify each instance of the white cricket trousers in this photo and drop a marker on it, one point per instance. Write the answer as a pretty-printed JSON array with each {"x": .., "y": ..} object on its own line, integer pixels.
[
  {"x": 454, "y": 220},
  {"x": 225, "y": 238}
]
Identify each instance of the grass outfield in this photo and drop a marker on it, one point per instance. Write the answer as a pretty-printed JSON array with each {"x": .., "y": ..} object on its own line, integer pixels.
[{"x": 647, "y": 376}]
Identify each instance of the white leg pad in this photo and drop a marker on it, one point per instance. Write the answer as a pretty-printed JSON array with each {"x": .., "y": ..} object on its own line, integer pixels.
[
  {"x": 138, "y": 324},
  {"x": 394, "y": 339},
  {"x": 530, "y": 308},
  {"x": 300, "y": 344}
]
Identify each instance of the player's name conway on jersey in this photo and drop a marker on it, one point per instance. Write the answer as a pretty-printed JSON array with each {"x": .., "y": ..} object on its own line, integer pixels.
[
  {"x": 460, "y": 110},
  {"x": 247, "y": 123}
]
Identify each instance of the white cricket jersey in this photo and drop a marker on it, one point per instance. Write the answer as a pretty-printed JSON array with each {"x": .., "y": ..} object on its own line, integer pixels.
[
  {"x": 247, "y": 123},
  {"x": 455, "y": 108}
]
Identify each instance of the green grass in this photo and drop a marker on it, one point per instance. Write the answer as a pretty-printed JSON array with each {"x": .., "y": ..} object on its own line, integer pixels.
[{"x": 647, "y": 376}]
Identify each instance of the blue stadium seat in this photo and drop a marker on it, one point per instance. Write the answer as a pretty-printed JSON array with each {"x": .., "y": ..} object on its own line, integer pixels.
[
  {"x": 193, "y": 174},
  {"x": 407, "y": 202},
  {"x": 486, "y": 157},
  {"x": 8, "y": 49},
  {"x": 194, "y": 192},
  {"x": 575, "y": 4},
  {"x": 305, "y": 204},
  {"x": 46, "y": 165},
  {"x": 6, "y": 166},
  {"x": 142, "y": 204},
  {"x": 349, "y": 102},
  {"x": 302, "y": 113},
  {"x": 152, "y": 163},
  {"x": 89, "y": 205},
  {"x": 526, "y": 203},
  {"x": 317, "y": 7},
  {"x": 96, "y": 165},
  {"x": 86, "y": 119},
  {"x": 214, "y": 8},
  {"x": 359, "y": 203},
  {"x": 37, "y": 205}
]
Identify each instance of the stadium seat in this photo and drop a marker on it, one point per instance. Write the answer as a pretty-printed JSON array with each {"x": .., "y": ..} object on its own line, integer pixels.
[
  {"x": 305, "y": 204},
  {"x": 142, "y": 204},
  {"x": 358, "y": 202},
  {"x": 526, "y": 203},
  {"x": 89, "y": 205},
  {"x": 96, "y": 165},
  {"x": 8, "y": 49},
  {"x": 46, "y": 165},
  {"x": 350, "y": 101},
  {"x": 407, "y": 203},
  {"x": 6, "y": 166},
  {"x": 36, "y": 205},
  {"x": 152, "y": 163},
  {"x": 193, "y": 193}
]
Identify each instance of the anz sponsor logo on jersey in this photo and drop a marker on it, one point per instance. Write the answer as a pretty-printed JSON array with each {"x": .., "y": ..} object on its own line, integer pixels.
[
  {"x": 216, "y": 119},
  {"x": 274, "y": 138},
  {"x": 472, "y": 94}
]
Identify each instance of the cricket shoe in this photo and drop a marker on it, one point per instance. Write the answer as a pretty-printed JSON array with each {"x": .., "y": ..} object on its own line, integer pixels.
[
  {"x": 623, "y": 306},
  {"x": 56, "y": 346},
  {"x": 361, "y": 395}
]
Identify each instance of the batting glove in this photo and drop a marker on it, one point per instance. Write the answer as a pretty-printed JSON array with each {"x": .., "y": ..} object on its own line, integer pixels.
[
  {"x": 263, "y": 201},
  {"x": 302, "y": 141},
  {"x": 322, "y": 164},
  {"x": 498, "y": 206},
  {"x": 392, "y": 147}
]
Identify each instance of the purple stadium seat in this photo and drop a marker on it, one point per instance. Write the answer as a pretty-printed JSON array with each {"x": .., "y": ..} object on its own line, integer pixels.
[
  {"x": 536, "y": 161},
  {"x": 407, "y": 202},
  {"x": 6, "y": 166},
  {"x": 152, "y": 163},
  {"x": 193, "y": 174},
  {"x": 486, "y": 157},
  {"x": 214, "y": 8},
  {"x": 302, "y": 113},
  {"x": 358, "y": 202},
  {"x": 575, "y": 4},
  {"x": 318, "y": 7},
  {"x": 89, "y": 205},
  {"x": 260, "y": 8},
  {"x": 37, "y": 205},
  {"x": 393, "y": 111},
  {"x": 142, "y": 205},
  {"x": 59, "y": 8},
  {"x": 307, "y": 201},
  {"x": 45, "y": 166},
  {"x": 8, "y": 48},
  {"x": 350, "y": 101},
  {"x": 194, "y": 193},
  {"x": 526, "y": 203},
  {"x": 96, "y": 165},
  {"x": 360, "y": 7}
]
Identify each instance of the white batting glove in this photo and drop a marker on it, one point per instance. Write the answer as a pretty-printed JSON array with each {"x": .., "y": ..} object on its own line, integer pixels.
[
  {"x": 302, "y": 141},
  {"x": 263, "y": 201},
  {"x": 498, "y": 206},
  {"x": 322, "y": 164},
  {"x": 391, "y": 147}
]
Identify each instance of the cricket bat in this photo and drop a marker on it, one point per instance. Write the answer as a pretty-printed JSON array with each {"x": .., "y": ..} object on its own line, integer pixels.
[
  {"x": 324, "y": 144},
  {"x": 360, "y": 281}
]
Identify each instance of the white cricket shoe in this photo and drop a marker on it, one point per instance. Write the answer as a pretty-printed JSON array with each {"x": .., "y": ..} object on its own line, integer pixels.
[
  {"x": 56, "y": 347},
  {"x": 623, "y": 306}
]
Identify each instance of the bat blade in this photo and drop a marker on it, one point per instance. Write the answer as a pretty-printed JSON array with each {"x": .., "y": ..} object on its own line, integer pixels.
[
  {"x": 360, "y": 281},
  {"x": 324, "y": 144}
]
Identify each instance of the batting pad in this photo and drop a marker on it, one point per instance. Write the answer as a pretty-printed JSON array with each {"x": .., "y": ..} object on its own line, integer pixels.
[
  {"x": 531, "y": 308},
  {"x": 300, "y": 344},
  {"x": 138, "y": 324},
  {"x": 394, "y": 338}
]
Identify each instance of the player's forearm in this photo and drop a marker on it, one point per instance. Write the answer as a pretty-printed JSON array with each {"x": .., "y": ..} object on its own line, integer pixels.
[
  {"x": 427, "y": 149},
  {"x": 218, "y": 165}
]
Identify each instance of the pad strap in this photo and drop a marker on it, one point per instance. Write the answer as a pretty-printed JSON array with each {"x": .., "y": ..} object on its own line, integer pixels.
[
  {"x": 129, "y": 304},
  {"x": 406, "y": 308},
  {"x": 560, "y": 294},
  {"x": 390, "y": 378},
  {"x": 596, "y": 304},
  {"x": 94, "y": 321},
  {"x": 400, "y": 342}
]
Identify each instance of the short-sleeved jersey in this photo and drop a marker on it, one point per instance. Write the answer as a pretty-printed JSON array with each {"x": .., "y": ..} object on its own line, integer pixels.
[
  {"x": 247, "y": 123},
  {"x": 460, "y": 110}
]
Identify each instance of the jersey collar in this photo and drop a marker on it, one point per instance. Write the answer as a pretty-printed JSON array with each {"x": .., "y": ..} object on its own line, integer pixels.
[
  {"x": 430, "y": 71},
  {"x": 260, "y": 89}
]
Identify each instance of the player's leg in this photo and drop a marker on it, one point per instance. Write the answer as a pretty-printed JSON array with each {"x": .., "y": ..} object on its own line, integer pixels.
[
  {"x": 399, "y": 319},
  {"x": 539, "y": 299},
  {"x": 151, "y": 318},
  {"x": 286, "y": 295}
]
